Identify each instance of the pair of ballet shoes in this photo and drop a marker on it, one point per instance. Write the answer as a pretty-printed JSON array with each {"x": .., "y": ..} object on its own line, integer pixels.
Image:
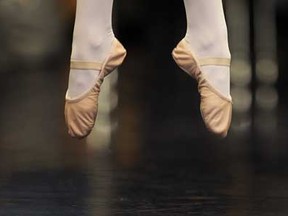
[{"x": 216, "y": 110}]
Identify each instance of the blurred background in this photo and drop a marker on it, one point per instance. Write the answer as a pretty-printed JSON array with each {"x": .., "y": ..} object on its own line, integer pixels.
[{"x": 150, "y": 153}]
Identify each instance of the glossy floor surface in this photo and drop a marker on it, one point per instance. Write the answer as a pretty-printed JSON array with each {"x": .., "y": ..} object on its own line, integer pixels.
[{"x": 160, "y": 159}]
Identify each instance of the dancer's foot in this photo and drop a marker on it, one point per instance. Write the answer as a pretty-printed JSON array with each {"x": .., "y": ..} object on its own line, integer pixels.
[
  {"x": 81, "y": 111},
  {"x": 216, "y": 107}
]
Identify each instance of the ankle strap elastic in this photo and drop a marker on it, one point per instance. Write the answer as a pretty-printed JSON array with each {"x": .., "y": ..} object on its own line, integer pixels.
[
  {"x": 85, "y": 65},
  {"x": 215, "y": 61}
]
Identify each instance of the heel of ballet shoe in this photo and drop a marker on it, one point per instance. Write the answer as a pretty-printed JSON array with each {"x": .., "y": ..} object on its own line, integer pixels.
[
  {"x": 185, "y": 60},
  {"x": 115, "y": 59}
]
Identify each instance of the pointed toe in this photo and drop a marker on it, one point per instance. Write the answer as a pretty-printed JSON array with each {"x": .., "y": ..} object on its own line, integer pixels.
[
  {"x": 80, "y": 115},
  {"x": 216, "y": 113},
  {"x": 216, "y": 110}
]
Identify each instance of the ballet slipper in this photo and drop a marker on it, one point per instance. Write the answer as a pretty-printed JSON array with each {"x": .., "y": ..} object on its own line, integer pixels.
[
  {"x": 81, "y": 113},
  {"x": 216, "y": 109}
]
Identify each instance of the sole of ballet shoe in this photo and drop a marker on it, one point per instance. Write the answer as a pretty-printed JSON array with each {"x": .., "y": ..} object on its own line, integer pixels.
[
  {"x": 81, "y": 113},
  {"x": 216, "y": 109}
]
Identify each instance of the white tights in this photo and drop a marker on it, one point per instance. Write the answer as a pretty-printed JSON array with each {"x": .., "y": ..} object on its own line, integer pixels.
[
  {"x": 92, "y": 40},
  {"x": 207, "y": 37},
  {"x": 93, "y": 36}
]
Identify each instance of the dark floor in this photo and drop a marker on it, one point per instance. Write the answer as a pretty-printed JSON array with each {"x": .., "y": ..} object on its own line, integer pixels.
[{"x": 161, "y": 159}]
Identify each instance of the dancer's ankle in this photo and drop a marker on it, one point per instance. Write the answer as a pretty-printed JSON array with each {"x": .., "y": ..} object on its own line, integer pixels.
[
  {"x": 94, "y": 47},
  {"x": 212, "y": 46}
]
